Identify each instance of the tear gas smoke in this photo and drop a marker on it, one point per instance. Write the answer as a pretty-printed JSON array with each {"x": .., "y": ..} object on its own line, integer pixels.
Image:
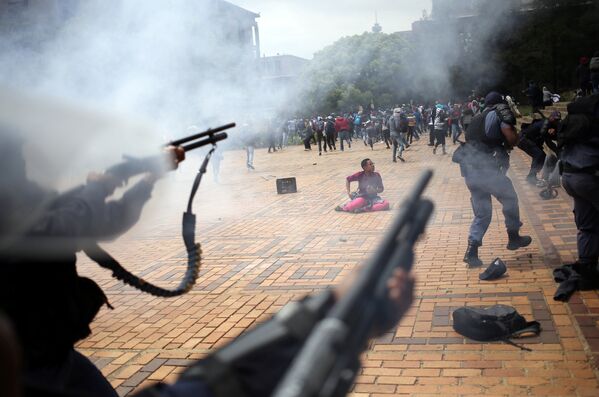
[{"x": 79, "y": 75}]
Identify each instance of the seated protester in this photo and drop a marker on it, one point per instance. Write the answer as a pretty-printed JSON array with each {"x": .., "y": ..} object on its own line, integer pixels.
[{"x": 367, "y": 198}]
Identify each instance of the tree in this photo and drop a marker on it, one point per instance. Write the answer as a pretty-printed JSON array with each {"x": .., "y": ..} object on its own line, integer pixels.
[{"x": 356, "y": 70}]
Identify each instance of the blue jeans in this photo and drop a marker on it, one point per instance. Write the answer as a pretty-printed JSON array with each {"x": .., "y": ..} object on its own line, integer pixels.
[
  {"x": 344, "y": 136},
  {"x": 399, "y": 142},
  {"x": 484, "y": 183},
  {"x": 456, "y": 131}
]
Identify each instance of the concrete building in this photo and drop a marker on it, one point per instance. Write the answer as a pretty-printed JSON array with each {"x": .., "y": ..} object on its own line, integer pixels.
[
  {"x": 280, "y": 75},
  {"x": 40, "y": 18}
]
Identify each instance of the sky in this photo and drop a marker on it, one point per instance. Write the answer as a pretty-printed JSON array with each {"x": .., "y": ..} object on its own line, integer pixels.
[{"x": 303, "y": 27}]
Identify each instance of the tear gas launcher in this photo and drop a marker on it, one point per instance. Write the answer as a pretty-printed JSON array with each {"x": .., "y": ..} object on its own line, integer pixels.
[{"x": 134, "y": 166}]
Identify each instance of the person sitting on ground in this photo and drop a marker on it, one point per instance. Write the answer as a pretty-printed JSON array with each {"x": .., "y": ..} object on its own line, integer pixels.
[{"x": 370, "y": 184}]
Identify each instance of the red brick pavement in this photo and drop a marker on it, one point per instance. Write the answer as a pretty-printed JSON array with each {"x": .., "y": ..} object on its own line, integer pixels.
[{"x": 262, "y": 250}]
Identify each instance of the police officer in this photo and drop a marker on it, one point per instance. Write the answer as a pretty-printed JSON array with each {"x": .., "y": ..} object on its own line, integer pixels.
[
  {"x": 488, "y": 139},
  {"x": 580, "y": 178},
  {"x": 533, "y": 138},
  {"x": 48, "y": 303}
]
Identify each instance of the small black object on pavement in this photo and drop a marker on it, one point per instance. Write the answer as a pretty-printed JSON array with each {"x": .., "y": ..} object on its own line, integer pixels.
[{"x": 495, "y": 270}]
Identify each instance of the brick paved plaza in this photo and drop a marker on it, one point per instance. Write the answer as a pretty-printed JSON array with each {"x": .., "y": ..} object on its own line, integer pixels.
[{"x": 262, "y": 250}]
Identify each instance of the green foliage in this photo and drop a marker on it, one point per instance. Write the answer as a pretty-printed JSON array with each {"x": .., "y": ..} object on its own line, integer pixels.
[{"x": 354, "y": 71}]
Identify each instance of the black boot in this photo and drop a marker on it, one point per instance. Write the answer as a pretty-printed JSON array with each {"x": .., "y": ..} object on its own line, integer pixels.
[
  {"x": 517, "y": 241},
  {"x": 471, "y": 256}
]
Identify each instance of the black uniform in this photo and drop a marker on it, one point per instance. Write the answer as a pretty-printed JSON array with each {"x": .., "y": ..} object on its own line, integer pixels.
[
  {"x": 580, "y": 179},
  {"x": 49, "y": 304},
  {"x": 531, "y": 142}
]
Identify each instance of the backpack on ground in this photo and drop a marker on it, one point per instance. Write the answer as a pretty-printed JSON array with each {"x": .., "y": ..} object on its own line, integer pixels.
[
  {"x": 581, "y": 123},
  {"x": 493, "y": 323}
]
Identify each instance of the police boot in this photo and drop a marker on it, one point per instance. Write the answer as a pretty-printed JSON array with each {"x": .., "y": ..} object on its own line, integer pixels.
[
  {"x": 471, "y": 256},
  {"x": 517, "y": 241}
]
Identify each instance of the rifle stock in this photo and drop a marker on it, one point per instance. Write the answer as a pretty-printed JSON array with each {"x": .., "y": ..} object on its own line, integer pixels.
[{"x": 329, "y": 360}]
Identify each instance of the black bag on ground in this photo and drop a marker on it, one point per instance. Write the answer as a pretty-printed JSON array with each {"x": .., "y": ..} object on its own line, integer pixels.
[{"x": 493, "y": 323}]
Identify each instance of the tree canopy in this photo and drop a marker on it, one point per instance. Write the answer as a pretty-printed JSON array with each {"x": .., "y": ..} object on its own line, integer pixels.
[{"x": 357, "y": 71}]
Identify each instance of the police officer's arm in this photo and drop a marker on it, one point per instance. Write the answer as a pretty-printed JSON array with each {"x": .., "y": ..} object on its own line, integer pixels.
[
  {"x": 507, "y": 124},
  {"x": 510, "y": 134},
  {"x": 120, "y": 215}
]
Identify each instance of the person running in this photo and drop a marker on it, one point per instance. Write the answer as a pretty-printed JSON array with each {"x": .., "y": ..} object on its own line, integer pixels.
[
  {"x": 342, "y": 127},
  {"x": 330, "y": 132},
  {"x": 367, "y": 198},
  {"x": 398, "y": 125}
]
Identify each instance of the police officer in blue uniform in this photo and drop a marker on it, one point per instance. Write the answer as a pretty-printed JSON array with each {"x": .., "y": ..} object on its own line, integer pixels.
[
  {"x": 484, "y": 164},
  {"x": 580, "y": 178}
]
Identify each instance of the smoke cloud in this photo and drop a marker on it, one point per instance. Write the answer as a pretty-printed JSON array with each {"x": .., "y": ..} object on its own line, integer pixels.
[{"x": 85, "y": 82}]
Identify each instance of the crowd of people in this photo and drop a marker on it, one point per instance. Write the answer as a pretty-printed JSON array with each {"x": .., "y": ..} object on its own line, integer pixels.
[{"x": 489, "y": 129}]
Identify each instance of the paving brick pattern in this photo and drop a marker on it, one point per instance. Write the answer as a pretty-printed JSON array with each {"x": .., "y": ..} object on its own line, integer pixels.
[{"x": 262, "y": 250}]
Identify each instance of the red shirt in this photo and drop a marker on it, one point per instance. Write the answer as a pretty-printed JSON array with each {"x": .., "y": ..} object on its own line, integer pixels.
[
  {"x": 341, "y": 124},
  {"x": 373, "y": 179}
]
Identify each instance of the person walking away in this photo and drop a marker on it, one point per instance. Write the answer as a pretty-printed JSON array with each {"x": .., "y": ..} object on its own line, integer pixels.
[
  {"x": 431, "y": 125},
  {"x": 484, "y": 163},
  {"x": 342, "y": 128},
  {"x": 455, "y": 116},
  {"x": 370, "y": 133},
  {"x": 440, "y": 126},
  {"x": 386, "y": 131},
  {"x": 320, "y": 135},
  {"x": 411, "y": 119},
  {"x": 307, "y": 134},
  {"x": 272, "y": 136},
  {"x": 395, "y": 124},
  {"x": 331, "y": 134}
]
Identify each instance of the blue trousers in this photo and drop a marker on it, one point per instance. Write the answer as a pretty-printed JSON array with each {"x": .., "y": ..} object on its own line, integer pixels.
[
  {"x": 584, "y": 189},
  {"x": 484, "y": 183}
]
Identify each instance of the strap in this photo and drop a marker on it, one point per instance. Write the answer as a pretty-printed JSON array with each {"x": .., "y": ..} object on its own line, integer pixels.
[
  {"x": 531, "y": 327},
  {"x": 509, "y": 342},
  {"x": 194, "y": 251}
]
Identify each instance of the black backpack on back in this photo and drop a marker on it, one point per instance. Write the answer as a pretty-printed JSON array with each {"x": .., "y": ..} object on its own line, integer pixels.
[{"x": 498, "y": 322}]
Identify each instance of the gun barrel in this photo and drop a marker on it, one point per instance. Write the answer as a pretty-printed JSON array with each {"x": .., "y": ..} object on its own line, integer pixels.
[
  {"x": 209, "y": 132},
  {"x": 208, "y": 141}
]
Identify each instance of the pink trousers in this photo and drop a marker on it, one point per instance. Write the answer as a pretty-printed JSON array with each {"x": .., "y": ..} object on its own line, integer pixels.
[{"x": 361, "y": 202}]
